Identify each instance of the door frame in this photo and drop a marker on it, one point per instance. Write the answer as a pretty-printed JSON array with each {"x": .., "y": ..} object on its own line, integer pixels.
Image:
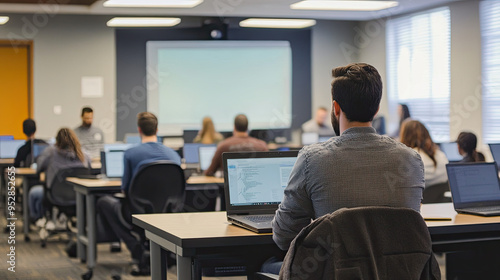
[{"x": 28, "y": 44}]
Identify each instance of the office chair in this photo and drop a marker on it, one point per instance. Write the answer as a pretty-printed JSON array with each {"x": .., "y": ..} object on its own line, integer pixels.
[
  {"x": 362, "y": 243},
  {"x": 157, "y": 187},
  {"x": 435, "y": 193},
  {"x": 60, "y": 198}
]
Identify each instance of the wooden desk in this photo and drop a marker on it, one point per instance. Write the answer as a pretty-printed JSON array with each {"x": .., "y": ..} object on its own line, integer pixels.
[
  {"x": 24, "y": 173},
  {"x": 86, "y": 193},
  {"x": 4, "y": 163},
  {"x": 187, "y": 234}
]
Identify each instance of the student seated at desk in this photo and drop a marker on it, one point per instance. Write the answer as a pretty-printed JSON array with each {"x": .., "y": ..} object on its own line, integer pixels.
[
  {"x": 239, "y": 142},
  {"x": 109, "y": 208},
  {"x": 466, "y": 144},
  {"x": 24, "y": 154},
  {"x": 415, "y": 135},
  {"x": 66, "y": 153},
  {"x": 349, "y": 170},
  {"x": 207, "y": 134}
]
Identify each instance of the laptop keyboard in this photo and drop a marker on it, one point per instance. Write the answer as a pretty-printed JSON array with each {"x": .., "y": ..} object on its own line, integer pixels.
[
  {"x": 260, "y": 218},
  {"x": 494, "y": 208}
]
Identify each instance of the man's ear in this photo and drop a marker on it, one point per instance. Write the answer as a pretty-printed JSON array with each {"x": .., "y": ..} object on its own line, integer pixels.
[{"x": 336, "y": 108}]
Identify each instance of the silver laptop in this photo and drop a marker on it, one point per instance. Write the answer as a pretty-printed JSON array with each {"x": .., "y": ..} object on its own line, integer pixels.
[
  {"x": 475, "y": 188},
  {"x": 191, "y": 154},
  {"x": 8, "y": 148},
  {"x": 112, "y": 159},
  {"x": 205, "y": 154},
  {"x": 450, "y": 149},
  {"x": 254, "y": 185}
]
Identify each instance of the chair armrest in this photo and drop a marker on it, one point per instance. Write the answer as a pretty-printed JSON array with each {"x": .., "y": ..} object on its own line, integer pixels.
[
  {"x": 119, "y": 195},
  {"x": 266, "y": 276}
]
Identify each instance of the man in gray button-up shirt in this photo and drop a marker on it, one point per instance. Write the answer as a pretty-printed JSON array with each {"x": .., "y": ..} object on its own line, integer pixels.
[{"x": 358, "y": 168}]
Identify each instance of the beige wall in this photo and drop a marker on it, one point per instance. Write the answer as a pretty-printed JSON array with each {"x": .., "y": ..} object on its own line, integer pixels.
[{"x": 66, "y": 48}]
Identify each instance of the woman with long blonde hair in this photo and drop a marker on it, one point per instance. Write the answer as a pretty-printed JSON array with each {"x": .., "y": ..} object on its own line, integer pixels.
[
  {"x": 416, "y": 136},
  {"x": 207, "y": 134},
  {"x": 66, "y": 153}
]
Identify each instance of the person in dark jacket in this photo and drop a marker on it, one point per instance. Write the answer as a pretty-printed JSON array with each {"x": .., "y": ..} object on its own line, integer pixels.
[{"x": 24, "y": 156}]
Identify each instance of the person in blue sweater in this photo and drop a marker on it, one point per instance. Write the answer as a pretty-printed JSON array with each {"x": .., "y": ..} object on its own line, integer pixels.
[{"x": 109, "y": 224}]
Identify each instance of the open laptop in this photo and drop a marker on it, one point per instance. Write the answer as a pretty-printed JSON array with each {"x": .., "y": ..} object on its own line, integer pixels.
[
  {"x": 309, "y": 138},
  {"x": 190, "y": 152},
  {"x": 495, "y": 152},
  {"x": 205, "y": 154},
  {"x": 475, "y": 188},
  {"x": 8, "y": 148},
  {"x": 450, "y": 149},
  {"x": 254, "y": 183},
  {"x": 112, "y": 159}
]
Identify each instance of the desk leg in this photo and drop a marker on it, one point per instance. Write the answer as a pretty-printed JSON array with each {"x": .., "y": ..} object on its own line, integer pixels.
[
  {"x": 158, "y": 262},
  {"x": 26, "y": 216},
  {"x": 91, "y": 231},
  {"x": 184, "y": 267},
  {"x": 80, "y": 215}
]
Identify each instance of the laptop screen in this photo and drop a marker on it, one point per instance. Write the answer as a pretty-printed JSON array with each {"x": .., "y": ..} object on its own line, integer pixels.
[
  {"x": 495, "y": 152},
  {"x": 8, "y": 148},
  {"x": 38, "y": 149},
  {"x": 113, "y": 159},
  {"x": 206, "y": 153},
  {"x": 191, "y": 153},
  {"x": 258, "y": 181},
  {"x": 309, "y": 138},
  {"x": 473, "y": 183},
  {"x": 451, "y": 151}
]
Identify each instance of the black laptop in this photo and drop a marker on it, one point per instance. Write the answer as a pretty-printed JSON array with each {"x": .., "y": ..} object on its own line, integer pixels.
[
  {"x": 254, "y": 185},
  {"x": 475, "y": 188},
  {"x": 495, "y": 152}
]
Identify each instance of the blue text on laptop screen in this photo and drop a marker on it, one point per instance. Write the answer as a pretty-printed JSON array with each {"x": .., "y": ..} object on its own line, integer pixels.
[
  {"x": 206, "y": 153},
  {"x": 8, "y": 148},
  {"x": 258, "y": 181},
  {"x": 451, "y": 151},
  {"x": 495, "y": 152},
  {"x": 474, "y": 183}
]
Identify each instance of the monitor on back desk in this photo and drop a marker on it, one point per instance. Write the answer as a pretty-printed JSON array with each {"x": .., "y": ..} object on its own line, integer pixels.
[
  {"x": 8, "y": 148},
  {"x": 450, "y": 149}
]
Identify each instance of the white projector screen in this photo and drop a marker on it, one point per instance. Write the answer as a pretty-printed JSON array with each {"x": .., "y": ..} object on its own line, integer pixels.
[{"x": 188, "y": 80}]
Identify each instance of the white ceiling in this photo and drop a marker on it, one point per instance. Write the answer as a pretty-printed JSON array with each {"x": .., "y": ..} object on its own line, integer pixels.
[{"x": 228, "y": 8}]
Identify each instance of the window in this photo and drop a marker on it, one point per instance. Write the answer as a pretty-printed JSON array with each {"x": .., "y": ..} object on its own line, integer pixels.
[
  {"x": 418, "y": 68},
  {"x": 490, "y": 35}
]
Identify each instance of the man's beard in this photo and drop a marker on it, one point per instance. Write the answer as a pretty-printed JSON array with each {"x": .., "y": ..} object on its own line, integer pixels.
[
  {"x": 87, "y": 125},
  {"x": 335, "y": 123}
]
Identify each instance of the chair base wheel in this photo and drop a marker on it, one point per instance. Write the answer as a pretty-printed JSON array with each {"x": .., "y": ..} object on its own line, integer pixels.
[
  {"x": 87, "y": 275},
  {"x": 27, "y": 238}
]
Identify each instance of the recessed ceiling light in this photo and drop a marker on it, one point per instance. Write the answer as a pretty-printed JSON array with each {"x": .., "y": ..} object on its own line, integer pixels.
[
  {"x": 343, "y": 5},
  {"x": 277, "y": 23},
  {"x": 142, "y": 22},
  {"x": 3, "y": 20},
  {"x": 153, "y": 3}
]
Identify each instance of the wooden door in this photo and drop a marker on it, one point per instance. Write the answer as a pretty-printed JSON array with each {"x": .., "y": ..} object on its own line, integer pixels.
[{"x": 16, "y": 97}]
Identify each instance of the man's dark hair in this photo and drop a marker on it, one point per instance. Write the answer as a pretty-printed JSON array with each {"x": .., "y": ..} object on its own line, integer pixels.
[
  {"x": 241, "y": 123},
  {"x": 148, "y": 123},
  {"x": 29, "y": 127},
  {"x": 357, "y": 88},
  {"x": 86, "y": 110}
]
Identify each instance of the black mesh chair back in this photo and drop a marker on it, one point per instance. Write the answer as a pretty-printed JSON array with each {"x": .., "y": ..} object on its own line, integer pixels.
[
  {"x": 61, "y": 192},
  {"x": 436, "y": 193},
  {"x": 157, "y": 187}
]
